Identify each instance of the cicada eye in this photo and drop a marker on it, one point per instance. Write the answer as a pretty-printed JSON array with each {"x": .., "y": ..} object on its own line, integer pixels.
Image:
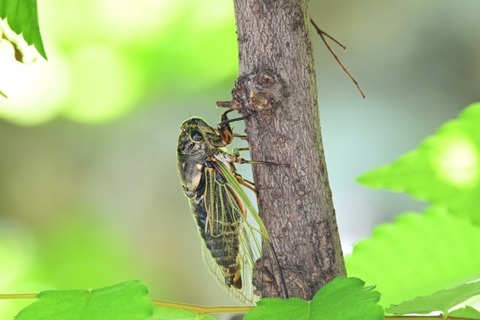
[{"x": 196, "y": 135}]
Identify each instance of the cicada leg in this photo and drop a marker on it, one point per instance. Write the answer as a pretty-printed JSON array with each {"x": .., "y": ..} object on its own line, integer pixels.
[
  {"x": 236, "y": 151},
  {"x": 235, "y": 157},
  {"x": 241, "y": 136},
  {"x": 225, "y": 130},
  {"x": 244, "y": 182}
]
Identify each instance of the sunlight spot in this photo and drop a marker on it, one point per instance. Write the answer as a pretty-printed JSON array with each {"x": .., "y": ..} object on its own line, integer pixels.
[
  {"x": 135, "y": 21},
  {"x": 106, "y": 85},
  {"x": 457, "y": 161},
  {"x": 35, "y": 89}
]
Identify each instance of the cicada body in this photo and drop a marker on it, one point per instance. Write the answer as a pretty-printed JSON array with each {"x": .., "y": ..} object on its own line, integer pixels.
[{"x": 220, "y": 206}]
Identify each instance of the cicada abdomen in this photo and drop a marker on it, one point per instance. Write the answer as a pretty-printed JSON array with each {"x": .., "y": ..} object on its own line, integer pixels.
[
  {"x": 219, "y": 223},
  {"x": 219, "y": 205}
]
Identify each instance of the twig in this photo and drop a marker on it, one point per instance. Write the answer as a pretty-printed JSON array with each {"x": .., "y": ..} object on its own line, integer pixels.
[
  {"x": 18, "y": 296},
  {"x": 202, "y": 309},
  {"x": 322, "y": 35}
]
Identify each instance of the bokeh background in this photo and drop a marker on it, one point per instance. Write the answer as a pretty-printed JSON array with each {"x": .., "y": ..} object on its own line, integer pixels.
[{"x": 89, "y": 193}]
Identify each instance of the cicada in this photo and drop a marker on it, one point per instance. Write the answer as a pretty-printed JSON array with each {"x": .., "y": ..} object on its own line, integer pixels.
[{"x": 230, "y": 228}]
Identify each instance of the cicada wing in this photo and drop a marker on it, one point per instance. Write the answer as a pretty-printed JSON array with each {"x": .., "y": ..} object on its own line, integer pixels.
[
  {"x": 253, "y": 234},
  {"x": 233, "y": 242},
  {"x": 256, "y": 240},
  {"x": 232, "y": 181},
  {"x": 245, "y": 295}
]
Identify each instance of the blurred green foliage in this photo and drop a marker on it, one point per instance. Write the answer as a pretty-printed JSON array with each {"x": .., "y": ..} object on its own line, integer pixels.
[
  {"x": 65, "y": 257},
  {"x": 101, "y": 68},
  {"x": 444, "y": 170},
  {"x": 117, "y": 61},
  {"x": 420, "y": 254}
]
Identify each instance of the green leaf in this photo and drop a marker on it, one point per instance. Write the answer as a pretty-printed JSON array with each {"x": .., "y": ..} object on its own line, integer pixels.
[
  {"x": 417, "y": 255},
  {"x": 444, "y": 169},
  {"x": 342, "y": 299},
  {"x": 466, "y": 313},
  {"x": 123, "y": 301},
  {"x": 442, "y": 300},
  {"x": 22, "y": 17}
]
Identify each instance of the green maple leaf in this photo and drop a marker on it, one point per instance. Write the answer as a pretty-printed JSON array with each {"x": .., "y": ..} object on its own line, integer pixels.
[
  {"x": 417, "y": 254},
  {"x": 444, "y": 170},
  {"x": 22, "y": 17},
  {"x": 123, "y": 301},
  {"x": 442, "y": 300},
  {"x": 341, "y": 299}
]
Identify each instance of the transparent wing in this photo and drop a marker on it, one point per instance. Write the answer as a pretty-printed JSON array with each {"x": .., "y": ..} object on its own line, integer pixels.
[{"x": 229, "y": 210}]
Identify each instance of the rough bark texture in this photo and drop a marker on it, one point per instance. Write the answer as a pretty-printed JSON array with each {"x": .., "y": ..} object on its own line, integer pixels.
[{"x": 277, "y": 90}]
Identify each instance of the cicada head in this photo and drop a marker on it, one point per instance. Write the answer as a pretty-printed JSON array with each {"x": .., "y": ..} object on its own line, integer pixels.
[
  {"x": 196, "y": 144},
  {"x": 197, "y": 139}
]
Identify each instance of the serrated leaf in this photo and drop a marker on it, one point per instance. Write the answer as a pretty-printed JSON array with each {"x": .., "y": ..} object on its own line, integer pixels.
[
  {"x": 466, "y": 313},
  {"x": 342, "y": 299},
  {"x": 417, "y": 255},
  {"x": 22, "y": 17},
  {"x": 444, "y": 170},
  {"x": 442, "y": 300},
  {"x": 123, "y": 301}
]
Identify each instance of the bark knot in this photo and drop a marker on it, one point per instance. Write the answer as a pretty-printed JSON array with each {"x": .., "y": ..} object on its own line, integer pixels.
[{"x": 259, "y": 91}]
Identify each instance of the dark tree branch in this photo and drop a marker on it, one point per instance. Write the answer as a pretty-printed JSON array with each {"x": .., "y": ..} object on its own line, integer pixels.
[{"x": 277, "y": 89}]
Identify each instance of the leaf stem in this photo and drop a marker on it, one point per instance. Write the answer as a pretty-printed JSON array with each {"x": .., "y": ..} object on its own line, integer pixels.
[
  {"x": 439, "y": 317},
  {"x": 190, "y": 307},
  {"x": 18, "y": 296},
  {"x": 202, "y": 309}
]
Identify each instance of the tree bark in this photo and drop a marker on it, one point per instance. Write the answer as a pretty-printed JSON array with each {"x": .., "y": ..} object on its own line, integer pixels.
[{"x": 277, "y": 92}]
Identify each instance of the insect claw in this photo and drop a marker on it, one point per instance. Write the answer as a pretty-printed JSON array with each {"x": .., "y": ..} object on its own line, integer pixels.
[
  {"x": 241, "y": 136},
  {"x": 281, "y": 164},
  {"x": 225, "y": 121},
  {"x": 268, "y": 163},
  {"x": 237, "y": 279},
  {"x": 246, "y": 183}
]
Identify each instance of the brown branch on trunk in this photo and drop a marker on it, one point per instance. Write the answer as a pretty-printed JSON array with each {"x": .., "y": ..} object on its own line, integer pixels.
[
  {"x": 322, "y": 35},
  {"x": 277, "y": 91}
]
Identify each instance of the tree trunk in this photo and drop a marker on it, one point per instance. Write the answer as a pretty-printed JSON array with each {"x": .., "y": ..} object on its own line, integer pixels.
[{"x": 277, "y": 91}]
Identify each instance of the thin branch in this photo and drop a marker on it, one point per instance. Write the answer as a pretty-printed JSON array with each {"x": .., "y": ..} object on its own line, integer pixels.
[
  {"x": 341, "y": 45},
  {"x": 189, "y": 307},
  {"x": 18, "y": 296},
  {"x": 439, "y": 317},
  {"x": 202, "y": 309},
  {"x": 322, "y": 35}
]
